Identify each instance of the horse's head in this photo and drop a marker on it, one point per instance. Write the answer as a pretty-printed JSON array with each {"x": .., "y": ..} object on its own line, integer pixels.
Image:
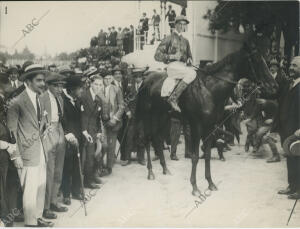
[{"x": 254, "y": 66}]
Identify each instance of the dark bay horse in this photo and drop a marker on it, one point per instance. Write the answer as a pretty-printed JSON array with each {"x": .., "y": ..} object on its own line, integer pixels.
[{"x": 220, "y": 80}]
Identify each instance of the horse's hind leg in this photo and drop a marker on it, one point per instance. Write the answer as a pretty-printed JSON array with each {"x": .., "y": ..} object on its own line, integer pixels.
[
  {"x": 207, "y": 149},
  {"x": 195, "y": 132},
  {"x": 146, "y": 131}
]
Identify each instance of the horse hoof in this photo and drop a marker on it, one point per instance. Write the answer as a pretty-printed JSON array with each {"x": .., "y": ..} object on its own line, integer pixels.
[
  {"x": 166, "y": 172},
  {"x": 222, "y": 159},
  {"x": 212, "y": 187},
  {"x": 151, "y": 176},
  {"x": 196, "y": 192}
]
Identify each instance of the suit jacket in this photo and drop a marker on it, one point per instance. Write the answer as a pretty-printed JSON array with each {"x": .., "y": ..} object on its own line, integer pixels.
[
  {"x": 171, "y": 45},
  {"x": 45, "y": 99},
  {"x": 115, "y": 105},
  {"x": 289, "y": 112},
  {"x": 90, "y": 114},
  {"x": 23, "y": 122},
  {"x": 131, "y": 97},
  {"x": 71, "y": 119}
]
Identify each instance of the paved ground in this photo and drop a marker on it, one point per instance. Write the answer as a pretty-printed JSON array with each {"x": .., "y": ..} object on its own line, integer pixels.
[{"x": 246, "y": 196}]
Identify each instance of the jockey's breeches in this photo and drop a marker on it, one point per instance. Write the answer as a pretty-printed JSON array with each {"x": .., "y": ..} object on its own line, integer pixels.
[{"x": 178, "y": 70}]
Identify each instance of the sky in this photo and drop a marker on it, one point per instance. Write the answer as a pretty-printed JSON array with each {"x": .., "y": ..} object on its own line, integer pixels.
[{"x": 66, "y": 26}]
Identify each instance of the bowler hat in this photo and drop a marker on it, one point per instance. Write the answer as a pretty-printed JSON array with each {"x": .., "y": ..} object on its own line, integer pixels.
[
  {"x": 65, "y": 70},
  {"x": 274, "y": 62},
  {"x": 32, "y": 70},
  {"x": 73, "y": 82},
  {"x": 116, "y": 69},
  {"x": 55, "y": 78},
  {"x": 291, "y": 145},
  {"x": 12, "y": 69},
  {"x": 181, "y": 18}
]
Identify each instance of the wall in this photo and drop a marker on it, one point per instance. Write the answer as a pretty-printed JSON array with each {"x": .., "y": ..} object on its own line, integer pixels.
[{"x": 204, "y": 45}]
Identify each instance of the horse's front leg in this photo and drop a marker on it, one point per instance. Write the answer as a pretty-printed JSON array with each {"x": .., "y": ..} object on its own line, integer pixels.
[
  {"x": 207, "y": 149},
  {"x": 149, "y": 164},
  {"x": 195, "y": 138}
]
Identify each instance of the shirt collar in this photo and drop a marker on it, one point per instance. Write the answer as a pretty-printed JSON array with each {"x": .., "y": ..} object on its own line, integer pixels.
[
  {"x": 179, "y": 34},
  {"x": 30, "y": 92},
  {"x": 92, "y": 93},
  {"x": 69, "y": 96},
  {"x": 296, "y": 81}
]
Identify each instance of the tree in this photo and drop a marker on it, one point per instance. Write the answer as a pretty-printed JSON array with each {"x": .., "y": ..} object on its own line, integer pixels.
[{"x": 267, "y": 18}]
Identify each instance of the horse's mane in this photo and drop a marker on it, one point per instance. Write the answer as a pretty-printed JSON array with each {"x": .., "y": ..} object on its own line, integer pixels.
[{"x": 216, "y": 67}]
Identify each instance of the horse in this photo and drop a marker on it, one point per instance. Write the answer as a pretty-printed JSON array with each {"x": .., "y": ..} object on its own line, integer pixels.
[{"x": 220, "y": 80}]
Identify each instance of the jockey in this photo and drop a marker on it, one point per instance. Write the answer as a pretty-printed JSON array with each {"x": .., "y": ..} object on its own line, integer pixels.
[{"x": 175, "y": 51}]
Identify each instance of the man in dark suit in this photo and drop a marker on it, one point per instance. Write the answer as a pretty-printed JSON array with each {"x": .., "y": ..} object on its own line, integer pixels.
[
  {"x": 102, "y": 38},
  {"x": 13, "y": 73},
  {"x": 25, "y": 119},
  {"x": 54, "y": 143},
  {"x": 9, "y": 183},
  {"x": 113, "y": 37},
  {"x": 73, "y": 135},
  {"x": 133, "y": 140},
  {"x": 91, "y": 130},
  {"x": 289, "y": 124}
]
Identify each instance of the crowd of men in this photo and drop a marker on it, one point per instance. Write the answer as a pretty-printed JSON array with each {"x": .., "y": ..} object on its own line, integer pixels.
[
  {"x": 121, "y": 38},
  {"x": 57, "y": 125}
]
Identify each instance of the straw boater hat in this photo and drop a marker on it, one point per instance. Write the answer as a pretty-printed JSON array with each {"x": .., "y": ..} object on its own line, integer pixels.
[
  {"x": 291, "y": 145},
  {"x": 33, "y": 70}
]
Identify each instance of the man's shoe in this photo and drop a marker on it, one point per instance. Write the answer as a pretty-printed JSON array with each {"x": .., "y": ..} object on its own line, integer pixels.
[
  {"x": 105, "y": 172},
  {"x": 56, "y": 208},
  {"x": 295, "y": 196},
  {"x": 287, "y": 191},
  {"x": 172, "y": 100},
  {"x": 49, "y": 214},
  {"x": 43, "y": 223},
  {"x": 97, "y": 180},
  {"x": 174, "y": 157},
  {"x": 77, "y": 197},
  {"x": 125, "y": 163},
  {"x": 91, "y": 185},
  {"x": 19, "y": 218},
  {"x": 142, "y": 162},
  {"x": 273, "y": 159},
  {"x": 67, "y": 201}
]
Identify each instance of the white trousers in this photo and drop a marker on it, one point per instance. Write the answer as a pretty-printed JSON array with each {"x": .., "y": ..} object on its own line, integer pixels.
[
  {"x": 33, "y": 182},
  {"x": 178, "y": 70}
]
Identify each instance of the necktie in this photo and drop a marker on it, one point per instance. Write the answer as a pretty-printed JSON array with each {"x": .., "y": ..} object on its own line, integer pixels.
[
  {"x": 59, "y": 109},
  {"x": 38, "y": 109}
]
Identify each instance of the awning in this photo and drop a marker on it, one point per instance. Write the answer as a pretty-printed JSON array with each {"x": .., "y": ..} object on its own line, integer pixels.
[{"x": 179, "y": 2}]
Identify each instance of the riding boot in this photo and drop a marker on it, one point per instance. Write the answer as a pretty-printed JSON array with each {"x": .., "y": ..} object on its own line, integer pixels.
[{"x": 172, "y": 100}]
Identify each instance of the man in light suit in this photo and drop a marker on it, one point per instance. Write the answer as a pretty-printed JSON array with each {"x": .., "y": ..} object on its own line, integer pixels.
[
  {"x": 112, "y": 117},
  {"x": 54, "y": 143},
  {"x": 24, "y": 119}
]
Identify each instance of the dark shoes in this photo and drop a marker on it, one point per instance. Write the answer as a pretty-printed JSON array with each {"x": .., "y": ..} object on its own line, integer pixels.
[
  {"x": 91, "y": 185},
  {"x": 287, "y": 191},
  {"x": 41, "y": 223},
  {"x": 19, "y": 218},
  {"x": 58, "y": 208},
  {"x": 142, "y": 162},
  {"x": 274, "y": 158},
  {"x": 295, "y": 196},
  {"x": 125, "y": 163},
  {"x": 174, "y": 157},
  {"x": 105, "y": 172},
  {"x": 49, "y": 214},
  {"x": 97, "y": 180},
  {"x": 67, "y": 201}
]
